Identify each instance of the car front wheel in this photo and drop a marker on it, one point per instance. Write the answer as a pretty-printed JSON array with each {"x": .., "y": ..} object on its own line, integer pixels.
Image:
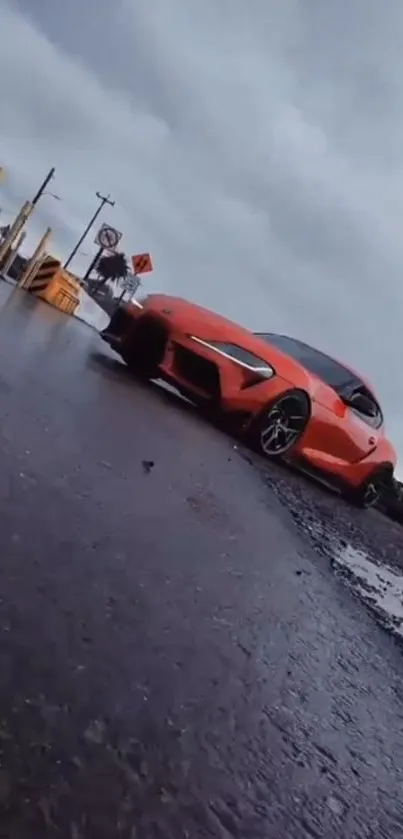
[{"x": 277, "y": 429}]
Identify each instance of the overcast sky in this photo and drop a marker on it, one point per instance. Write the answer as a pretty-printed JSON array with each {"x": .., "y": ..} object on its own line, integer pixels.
[{"x": 255, "y": 147}]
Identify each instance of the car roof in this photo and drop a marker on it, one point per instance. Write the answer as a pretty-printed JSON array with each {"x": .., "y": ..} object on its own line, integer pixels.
[{"x": 331, "y": 358}]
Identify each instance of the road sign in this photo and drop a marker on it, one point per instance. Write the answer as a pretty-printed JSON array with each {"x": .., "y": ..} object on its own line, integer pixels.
[
  {"x": 131, "y": 283},
  {"x": 107, "y": 237},
  {"x": 142, "y": 263}
]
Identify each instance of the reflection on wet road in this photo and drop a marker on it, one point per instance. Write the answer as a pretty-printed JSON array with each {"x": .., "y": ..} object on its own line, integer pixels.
[
  {"x": 364, "y": 548},
  {"x": 379, "y": 586},
  {"x": 177, "y": 658}
]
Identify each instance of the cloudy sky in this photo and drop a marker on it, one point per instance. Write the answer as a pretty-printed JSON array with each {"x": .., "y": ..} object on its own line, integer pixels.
[{"x": 255, "y": 147}]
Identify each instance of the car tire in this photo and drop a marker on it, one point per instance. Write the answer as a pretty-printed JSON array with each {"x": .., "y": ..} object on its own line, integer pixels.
[
  {"x": 370, "y": 492},
  {"x": 139, "y": 370},
  {"x": 145, "y": 350},
  {"x": 281, "y": 424}
]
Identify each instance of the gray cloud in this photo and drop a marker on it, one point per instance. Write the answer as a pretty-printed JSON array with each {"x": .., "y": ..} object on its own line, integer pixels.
[{"x": 255, "y": 149}]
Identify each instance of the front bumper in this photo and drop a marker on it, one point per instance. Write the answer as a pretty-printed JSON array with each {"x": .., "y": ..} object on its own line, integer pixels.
[
  {"x": 113, "y": 340},
  {"x": 120, "y": 326}
]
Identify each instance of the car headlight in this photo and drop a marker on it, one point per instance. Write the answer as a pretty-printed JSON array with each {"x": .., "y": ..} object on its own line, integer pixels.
[
  {"x": 240, "y": 356},
  {"x": 139, "y": 301}
]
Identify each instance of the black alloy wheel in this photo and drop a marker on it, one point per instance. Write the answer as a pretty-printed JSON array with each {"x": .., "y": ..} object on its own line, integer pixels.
[{"x": 281, "y": 424}]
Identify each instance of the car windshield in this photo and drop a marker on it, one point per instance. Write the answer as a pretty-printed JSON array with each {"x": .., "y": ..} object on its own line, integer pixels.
[{"x": 328, "y": 370}]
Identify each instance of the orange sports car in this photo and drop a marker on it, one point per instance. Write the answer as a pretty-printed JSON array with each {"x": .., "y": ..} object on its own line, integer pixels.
[{"x": 290, "y": 399}]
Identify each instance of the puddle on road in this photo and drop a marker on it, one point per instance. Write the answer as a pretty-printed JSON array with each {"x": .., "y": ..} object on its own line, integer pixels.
[
  {"x": 379, "y": 586},
  {"x": 365, "y": 549}
]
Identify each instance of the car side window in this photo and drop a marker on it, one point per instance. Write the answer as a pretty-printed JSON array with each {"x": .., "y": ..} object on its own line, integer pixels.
[{"x": 364, "y": 404}]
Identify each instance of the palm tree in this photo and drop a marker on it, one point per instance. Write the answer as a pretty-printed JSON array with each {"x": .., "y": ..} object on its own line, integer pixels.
[{"x": 112, "y": 267}]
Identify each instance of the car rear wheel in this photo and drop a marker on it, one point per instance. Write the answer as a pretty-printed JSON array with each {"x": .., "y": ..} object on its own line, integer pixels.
[
  {"x": 370, "y": 492},
  {"x": 281, "y": 424},
  {"x": 145, "y": 350}
]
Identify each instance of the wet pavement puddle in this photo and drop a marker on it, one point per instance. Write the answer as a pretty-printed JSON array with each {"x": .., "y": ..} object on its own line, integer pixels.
[
  {"x": 364, "y": 548},
  {"x": 378, "y": 586}
]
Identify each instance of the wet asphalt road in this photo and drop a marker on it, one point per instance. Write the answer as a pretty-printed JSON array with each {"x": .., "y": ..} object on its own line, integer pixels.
[{"x": 177, "y": 657}]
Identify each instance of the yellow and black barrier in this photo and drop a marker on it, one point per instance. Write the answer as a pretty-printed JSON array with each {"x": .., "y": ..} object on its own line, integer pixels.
[
  {"x": 62, "y": 291},
  {"x": 65, "y": 302},
  {"x": 56, "y": 286},
  {"x": 44, "y": 275}
]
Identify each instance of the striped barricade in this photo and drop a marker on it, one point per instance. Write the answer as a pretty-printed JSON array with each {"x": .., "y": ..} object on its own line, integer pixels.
[
  {"x": 45, "y": 274},
  {"x": 62, "y": 292},
  {"x": 56, "y": 286}
]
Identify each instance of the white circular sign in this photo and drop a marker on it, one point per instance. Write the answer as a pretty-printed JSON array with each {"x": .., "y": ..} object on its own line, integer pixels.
[{"x": 108, "y": 237}]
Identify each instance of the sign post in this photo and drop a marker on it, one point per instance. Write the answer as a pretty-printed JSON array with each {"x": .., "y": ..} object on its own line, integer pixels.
[{"x": 92, "y": 265}]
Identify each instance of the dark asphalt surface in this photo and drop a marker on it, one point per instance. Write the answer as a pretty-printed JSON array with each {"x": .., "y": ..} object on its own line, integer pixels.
[{"x": 177, "y": 657}]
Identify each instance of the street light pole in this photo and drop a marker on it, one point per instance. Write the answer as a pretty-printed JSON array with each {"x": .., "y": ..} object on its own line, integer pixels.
[
  {"x": 42, "y": 188},
  {"x": 104, "y": 199}
]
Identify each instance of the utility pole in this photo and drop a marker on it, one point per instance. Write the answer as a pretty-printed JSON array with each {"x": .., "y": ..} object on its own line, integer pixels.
[
  {"x": 92, "y": 265},
  {"x": 42, "y": 188},
  {"x": 22, "y": 217},
  {"x": 104, "y": 199}
]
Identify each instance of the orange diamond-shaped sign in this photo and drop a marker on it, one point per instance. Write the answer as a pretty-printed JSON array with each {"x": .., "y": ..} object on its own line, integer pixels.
[{"x": 142, "y": 263}]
